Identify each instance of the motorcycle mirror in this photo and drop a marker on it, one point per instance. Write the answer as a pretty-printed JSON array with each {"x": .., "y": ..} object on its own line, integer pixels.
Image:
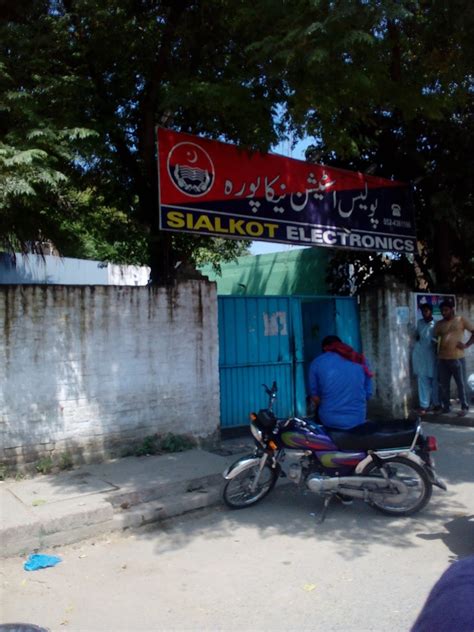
[{"x": 273, "y": 391}]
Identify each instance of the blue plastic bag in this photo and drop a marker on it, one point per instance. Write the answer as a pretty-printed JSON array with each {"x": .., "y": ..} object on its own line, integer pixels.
[{"x": 38, "y": 561}]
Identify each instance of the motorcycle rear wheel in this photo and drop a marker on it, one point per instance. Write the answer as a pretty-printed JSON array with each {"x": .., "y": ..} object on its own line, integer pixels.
[
  {"x": 237, "y": 493},
  {"x": 413, "y": 476}
]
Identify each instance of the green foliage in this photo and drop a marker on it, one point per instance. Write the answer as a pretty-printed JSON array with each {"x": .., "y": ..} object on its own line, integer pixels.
[
  {"x": 83, "y": 85},
  {"x": 176, "y": 443},
  {"x": 156, "y": 444},
  {"x": 352, "y": 65},
  {"x": 65, "y": 461},
  {"x": 3, "y": 471},
  {"x": 350, "y": 273},
  {"x": 149, "y": 445},
  {"x": 389, "y": 85},
  {"x": 219, "y": 251},
  {"x": 44, "y": 465}
]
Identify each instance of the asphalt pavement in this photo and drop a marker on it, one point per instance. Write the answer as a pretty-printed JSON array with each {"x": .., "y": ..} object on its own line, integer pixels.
[{"x": 268, "y": 567}]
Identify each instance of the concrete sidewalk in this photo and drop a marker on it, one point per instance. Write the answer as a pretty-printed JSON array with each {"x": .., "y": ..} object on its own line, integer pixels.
[
  {"x": 451, "y": 418},
  {"x": 46, "y": 511}
]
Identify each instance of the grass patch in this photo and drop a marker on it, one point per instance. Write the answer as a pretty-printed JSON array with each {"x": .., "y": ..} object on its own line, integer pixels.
[
  {"x": 176, "y": 443},
  {"x": 157, "y": 444},
  {"x": 44, "y": 465},
  {"x": 65, "y": 461}
]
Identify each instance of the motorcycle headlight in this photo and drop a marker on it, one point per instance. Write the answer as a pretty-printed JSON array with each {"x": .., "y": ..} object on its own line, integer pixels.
[{"x": 258, "y": 435}]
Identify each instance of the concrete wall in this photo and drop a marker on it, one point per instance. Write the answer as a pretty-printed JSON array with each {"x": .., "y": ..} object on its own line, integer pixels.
[
  {"x": 90, "y": 369},
  {"x": 388, "y": 321},
  {"x": 127, "y": 275}
]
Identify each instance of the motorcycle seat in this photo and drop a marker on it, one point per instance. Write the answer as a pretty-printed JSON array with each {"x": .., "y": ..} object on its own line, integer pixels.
[{"x": 375, "y": 436}]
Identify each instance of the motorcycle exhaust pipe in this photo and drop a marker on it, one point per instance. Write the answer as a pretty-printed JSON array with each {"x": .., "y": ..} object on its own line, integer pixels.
[{"x": 320, "y": 485}]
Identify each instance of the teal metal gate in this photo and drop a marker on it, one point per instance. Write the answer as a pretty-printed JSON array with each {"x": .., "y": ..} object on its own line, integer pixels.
[{"x": 263, "y": 338}]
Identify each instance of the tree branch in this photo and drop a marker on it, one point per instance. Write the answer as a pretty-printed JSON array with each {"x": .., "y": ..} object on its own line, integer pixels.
[{"x": 147, "y": 106}]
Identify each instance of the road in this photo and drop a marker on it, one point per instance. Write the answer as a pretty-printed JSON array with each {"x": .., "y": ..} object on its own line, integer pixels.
[{"x": 270, "y": 567}]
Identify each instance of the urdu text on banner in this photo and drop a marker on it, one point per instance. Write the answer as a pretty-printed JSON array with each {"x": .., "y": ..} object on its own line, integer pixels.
[{"x": 208, "y": 187}]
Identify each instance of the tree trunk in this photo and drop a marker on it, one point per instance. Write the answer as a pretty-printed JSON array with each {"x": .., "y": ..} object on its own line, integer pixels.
[
  {"x": 443, "y": 251},
  {"x": 160, "y": 251},
  {"x": 161, "y": 257}
]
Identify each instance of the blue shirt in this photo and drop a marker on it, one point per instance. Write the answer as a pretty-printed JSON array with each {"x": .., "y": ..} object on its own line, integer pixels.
[{"x": 343, "y": 387}]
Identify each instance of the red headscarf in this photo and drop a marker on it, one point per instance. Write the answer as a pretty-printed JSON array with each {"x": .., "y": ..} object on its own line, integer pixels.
[{"x": 349, "y": 353}]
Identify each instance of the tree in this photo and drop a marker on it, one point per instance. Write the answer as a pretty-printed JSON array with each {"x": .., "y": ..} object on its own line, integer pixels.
[
  {"x": 48, "y": 191},
  {"x": 379, "y": 83},
  {"x": 86, "y": 84},
  {"x": 388, "y": 85}
]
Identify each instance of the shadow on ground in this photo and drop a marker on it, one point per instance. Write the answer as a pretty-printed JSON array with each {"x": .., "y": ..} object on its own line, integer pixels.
[
  {"x": 355, "y": 530},
  {"x": 458, "y": 536},
  {"x": 358, "y": 528}
]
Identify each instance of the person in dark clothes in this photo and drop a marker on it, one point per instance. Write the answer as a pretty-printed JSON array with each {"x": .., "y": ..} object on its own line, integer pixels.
[{"x": 450, "y": 604}]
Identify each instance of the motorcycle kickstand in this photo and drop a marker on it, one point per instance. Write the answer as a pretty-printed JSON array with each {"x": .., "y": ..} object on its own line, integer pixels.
[{"x": 327, "y": 501}]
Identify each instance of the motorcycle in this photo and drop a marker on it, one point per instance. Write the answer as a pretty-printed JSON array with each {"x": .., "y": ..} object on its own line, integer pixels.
[{"x": 389, "y": 466}]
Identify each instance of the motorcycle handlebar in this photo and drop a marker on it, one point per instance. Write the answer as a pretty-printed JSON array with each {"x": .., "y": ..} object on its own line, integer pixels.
[{"x": 273, "y": 391}]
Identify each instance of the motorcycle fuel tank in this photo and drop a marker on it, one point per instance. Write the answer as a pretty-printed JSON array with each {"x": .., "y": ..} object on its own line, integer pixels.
[
  {"x": 307, "y": 438},
  {"x": 315, "y": 439}
]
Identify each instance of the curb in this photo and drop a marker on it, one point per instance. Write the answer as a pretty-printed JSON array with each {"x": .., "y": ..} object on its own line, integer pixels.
[
  {"x": 152, "y": 512},
  {"x": 466, "y": 422},
  {"x": 126, "y": 499},
  {"x": 115, "y": 512}
]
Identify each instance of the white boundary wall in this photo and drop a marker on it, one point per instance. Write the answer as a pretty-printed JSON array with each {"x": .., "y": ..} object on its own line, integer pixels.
[{"x": 90, "y": 369}]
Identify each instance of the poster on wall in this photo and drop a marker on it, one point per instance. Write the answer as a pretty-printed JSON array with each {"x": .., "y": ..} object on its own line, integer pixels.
[
  {"x": 434, "y": 300},
  {"x": 208, "y": 187}
]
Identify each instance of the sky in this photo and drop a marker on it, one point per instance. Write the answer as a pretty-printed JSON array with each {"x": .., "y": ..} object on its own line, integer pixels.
[{"x": 265, "y": 247}]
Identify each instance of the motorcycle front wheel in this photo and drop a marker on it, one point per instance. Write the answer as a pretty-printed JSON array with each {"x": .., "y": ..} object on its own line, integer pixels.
[
  {"x": 415, "y": 479},
  {"x": 238, "y": 493}
]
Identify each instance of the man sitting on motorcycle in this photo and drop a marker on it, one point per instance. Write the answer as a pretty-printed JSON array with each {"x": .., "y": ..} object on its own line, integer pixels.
[{"x": 340, "y": 383}]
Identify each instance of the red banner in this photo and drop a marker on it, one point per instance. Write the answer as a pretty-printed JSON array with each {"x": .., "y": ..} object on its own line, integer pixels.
[{"x": 214, "y": 188}]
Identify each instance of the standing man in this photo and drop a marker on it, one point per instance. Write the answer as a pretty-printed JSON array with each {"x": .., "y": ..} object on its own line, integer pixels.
[
  {"x": 340, "y": 383},
  {"x": 424, "y": 361},
  {"x": 450, "y": 332}
]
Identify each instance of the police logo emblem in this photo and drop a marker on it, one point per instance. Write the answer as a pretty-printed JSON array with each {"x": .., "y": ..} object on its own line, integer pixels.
[{"x": 191, "y": 169}]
